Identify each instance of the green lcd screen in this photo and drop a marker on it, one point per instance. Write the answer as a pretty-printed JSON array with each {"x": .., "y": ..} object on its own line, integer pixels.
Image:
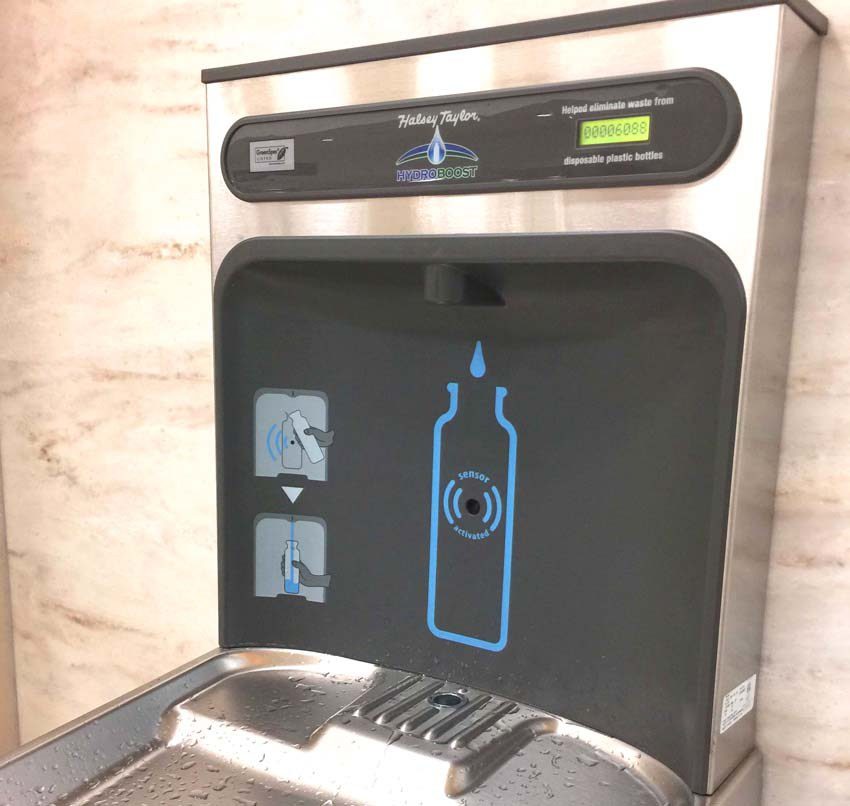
[{"x": 610, "y": 131}]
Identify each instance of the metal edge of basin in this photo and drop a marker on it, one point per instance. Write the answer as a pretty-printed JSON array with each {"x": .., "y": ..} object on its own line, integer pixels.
[{"x": 63, "y": 761}]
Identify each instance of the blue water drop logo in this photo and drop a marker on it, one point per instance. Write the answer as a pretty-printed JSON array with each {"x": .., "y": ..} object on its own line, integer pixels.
[
  {"x": 477, "y": 367},
  {"x": 436, "y": 148}
]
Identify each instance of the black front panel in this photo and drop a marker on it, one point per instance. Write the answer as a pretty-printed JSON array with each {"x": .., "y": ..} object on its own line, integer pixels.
[
  {"x": 529, "y": 497},
  {"x": 672, "y": 127}
]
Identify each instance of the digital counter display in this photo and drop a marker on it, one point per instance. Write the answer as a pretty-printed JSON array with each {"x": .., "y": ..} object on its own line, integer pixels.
[{"x": 611, "y": 131}]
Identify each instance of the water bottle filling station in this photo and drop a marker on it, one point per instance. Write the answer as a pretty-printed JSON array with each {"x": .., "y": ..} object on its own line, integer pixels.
[{"x": 501, "y": 332}]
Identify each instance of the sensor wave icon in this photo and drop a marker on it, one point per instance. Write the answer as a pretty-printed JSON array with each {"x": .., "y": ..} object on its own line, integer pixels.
[
  {"x": 492, "y": 515},
  {"x": 274, "y": 442}
]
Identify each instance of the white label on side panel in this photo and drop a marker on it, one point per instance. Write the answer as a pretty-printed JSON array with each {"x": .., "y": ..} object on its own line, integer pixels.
[
  {"x": 738, "y": 703},
  {"x": 272, "y": 155}
]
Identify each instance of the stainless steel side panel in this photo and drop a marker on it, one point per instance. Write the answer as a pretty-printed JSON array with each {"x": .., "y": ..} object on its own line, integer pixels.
[
  {"x": 769, "y": 323},
  {"x": 8, "y": 692}
]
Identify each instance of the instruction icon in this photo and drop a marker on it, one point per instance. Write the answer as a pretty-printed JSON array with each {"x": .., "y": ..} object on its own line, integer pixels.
[
  {"x": 291, "y": 433},
  {"x": 290, "y": 557}
]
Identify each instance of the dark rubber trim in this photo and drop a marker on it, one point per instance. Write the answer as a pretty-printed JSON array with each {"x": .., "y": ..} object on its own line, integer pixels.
[
  {"x": 536, "y": 29},
  {"x": 724, "y": 147}
]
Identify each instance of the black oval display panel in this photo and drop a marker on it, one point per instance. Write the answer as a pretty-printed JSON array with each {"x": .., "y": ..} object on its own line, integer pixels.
[{"x": 651, "y": 129}]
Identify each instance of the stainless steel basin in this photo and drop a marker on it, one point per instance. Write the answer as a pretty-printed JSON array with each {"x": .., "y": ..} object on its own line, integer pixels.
[{"x": 261, "y": 727}]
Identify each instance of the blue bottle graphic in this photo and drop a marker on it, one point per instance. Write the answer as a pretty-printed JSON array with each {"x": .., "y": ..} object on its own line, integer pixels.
[
  {"x": 291, "y": 574},
  {"x": 472, "y": 514}
]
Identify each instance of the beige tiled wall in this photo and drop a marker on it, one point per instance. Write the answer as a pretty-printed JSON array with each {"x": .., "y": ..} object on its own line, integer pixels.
[{"x": 105, "y": 368}]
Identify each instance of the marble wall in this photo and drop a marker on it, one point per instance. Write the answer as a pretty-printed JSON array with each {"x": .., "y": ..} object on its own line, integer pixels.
[{"x": 106, "y": 436}]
